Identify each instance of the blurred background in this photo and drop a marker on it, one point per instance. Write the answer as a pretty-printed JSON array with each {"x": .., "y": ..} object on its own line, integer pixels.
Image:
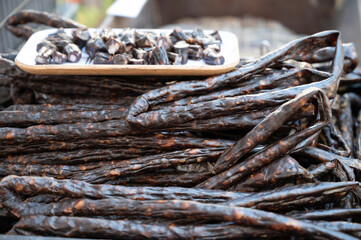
[{"x": 258, "y": 24}]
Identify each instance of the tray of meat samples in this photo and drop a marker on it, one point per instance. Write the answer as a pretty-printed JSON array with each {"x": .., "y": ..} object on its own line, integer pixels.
[{"x": 129, "y": 52}]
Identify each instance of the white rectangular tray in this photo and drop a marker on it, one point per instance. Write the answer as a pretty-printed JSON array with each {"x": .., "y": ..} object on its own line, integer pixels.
[{"x": 26, "y": 60}]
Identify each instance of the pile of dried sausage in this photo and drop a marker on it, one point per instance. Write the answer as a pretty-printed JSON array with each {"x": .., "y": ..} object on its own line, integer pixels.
[{"x": 269, "y": 150}]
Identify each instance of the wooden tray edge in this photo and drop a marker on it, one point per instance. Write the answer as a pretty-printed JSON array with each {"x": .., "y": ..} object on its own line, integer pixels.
[{"x": 127, "y": 69}]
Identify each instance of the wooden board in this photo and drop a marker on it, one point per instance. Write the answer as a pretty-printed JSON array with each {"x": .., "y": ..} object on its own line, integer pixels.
[{"x": 26, "y": 60}]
